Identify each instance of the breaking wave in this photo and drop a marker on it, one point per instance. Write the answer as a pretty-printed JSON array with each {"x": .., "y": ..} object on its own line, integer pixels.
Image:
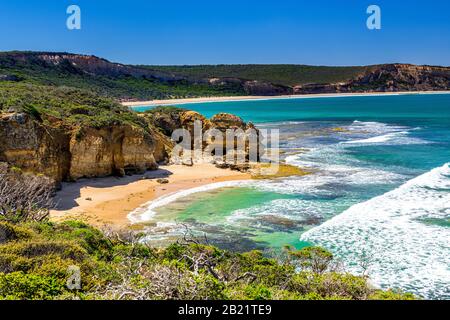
[{"x": 390, "y": 231}]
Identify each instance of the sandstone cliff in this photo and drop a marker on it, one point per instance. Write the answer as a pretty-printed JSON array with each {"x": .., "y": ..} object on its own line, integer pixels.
[
  {"x": 82, "y": 152},
  {"x": 387, "y": 78},
  {"x": 67, "y": 154}
]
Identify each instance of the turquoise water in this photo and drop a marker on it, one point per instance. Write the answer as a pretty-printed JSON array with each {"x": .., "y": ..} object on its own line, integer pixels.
[{"x": 380, "y": 190}]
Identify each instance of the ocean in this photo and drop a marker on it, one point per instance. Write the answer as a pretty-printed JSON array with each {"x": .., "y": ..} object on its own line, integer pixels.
[{"x": 378, "y": 196}]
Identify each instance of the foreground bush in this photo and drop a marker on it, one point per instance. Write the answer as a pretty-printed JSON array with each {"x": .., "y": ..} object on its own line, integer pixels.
[
  {"x": 24, "y": 197},
  {"x": 36, "y": 259}
]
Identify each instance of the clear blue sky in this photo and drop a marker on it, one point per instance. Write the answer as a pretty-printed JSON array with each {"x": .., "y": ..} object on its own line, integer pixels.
[{"x": 316, "y": 32}]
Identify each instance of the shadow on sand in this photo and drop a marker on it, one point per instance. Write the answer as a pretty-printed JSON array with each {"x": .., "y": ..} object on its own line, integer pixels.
[{"x": 65, "y": 198}]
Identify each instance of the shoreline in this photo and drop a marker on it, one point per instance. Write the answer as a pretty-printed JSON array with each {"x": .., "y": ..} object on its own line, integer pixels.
[
  {"x": 110, "y": 200},
  {"x": 166, "y": 102}
]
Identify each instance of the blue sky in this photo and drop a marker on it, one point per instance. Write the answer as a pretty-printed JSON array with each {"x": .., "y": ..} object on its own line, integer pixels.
[{"x": 316, "y": 32}]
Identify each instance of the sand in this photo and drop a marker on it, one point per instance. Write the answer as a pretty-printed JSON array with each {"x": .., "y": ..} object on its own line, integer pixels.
[
  {"x": 108, "y": 201},
  {"x": 154, "y": 103}
]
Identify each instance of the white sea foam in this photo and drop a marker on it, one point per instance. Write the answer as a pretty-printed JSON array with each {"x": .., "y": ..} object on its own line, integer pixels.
[
  {"x": 278, "y": 124},
  {"x": 382, "y": 133},
  {"x": 405, "y": 252},
  {"x": 147, "y": 211},
  {"x": 374, "y": 127},
  {"x": 332, "y": 165},
  {"x": 293, "y": 209},
  {"x": 378, "y": 139},
  {"x": 326, "y": 183},
  {"x": 395, "y": 138}
]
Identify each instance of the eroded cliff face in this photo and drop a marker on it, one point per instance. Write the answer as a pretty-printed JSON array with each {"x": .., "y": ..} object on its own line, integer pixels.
[
  {"x": 118, "y": 150},
  {"x": 64, "y": 154},
  {"x": 250, "y": 87},
  {"x": 387, "y": 78},
  {"x": 68, "y": 154},
  {"x": 33, "y": 147},
  {"x": 88, "y": 64}
]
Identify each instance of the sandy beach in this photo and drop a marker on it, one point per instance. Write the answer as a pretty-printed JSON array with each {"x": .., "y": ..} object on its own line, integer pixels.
[
  {"x": 108, "y": 201},
  {"x": 155, "y": 103}
]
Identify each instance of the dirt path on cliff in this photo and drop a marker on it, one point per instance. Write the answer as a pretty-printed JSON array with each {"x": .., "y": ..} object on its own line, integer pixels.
[{"x": 108, "y": 201}]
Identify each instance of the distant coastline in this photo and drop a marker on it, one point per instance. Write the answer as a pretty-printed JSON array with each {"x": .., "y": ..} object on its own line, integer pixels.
[{"x": 183, "y": 101}]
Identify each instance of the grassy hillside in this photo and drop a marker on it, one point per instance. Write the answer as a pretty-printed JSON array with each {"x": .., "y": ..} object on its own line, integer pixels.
[
  {"x": 126, "y": 82},
  {"x": 120, "y": 86},
  {"x": 64, "y": 105},
  {"x": 283, "y": 74}
]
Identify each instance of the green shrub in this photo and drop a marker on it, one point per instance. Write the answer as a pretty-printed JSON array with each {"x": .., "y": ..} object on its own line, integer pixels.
[
  {"x": 9, "y": 232},
  {"x": 34, "y": 265},
  {"x": 258, "y": 292},
  {"x": 391, "y": 295},
  {"x": 316, "y": 259},
  {"x": 18, "y": 285}
]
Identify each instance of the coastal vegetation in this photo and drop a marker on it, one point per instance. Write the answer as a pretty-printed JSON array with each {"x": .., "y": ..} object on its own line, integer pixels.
[
  {"x": 282, "y": 74},
  {"x": 36, "y": 257},
  {"x": 27, "y": 67},
  {"x": 63, "y": 105}
]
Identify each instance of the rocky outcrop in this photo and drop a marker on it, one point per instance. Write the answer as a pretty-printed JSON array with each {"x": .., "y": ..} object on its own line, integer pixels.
[
  {"x": 111, "y": 151},
  {"x": 29, "y": 145},
  {"x": 402, "y": 77},
  {"x": 380, "y": 78},
  {"x": 318, "y": 88},
  {"x": 250, "y": 87},
  {"x": 72, "y": 154},
  {"x": 224, "y": 121},
  {"x": 188, "y": 119},
  {"x": 260, "y": 88},
  {"x": 387, "y": 78},
  {"x": 171, "y": 119},
  {"x": 167, "y": 121}
]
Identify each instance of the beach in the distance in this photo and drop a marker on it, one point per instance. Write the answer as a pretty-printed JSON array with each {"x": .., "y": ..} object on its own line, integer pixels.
[{"x": 182, "y": 101}]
